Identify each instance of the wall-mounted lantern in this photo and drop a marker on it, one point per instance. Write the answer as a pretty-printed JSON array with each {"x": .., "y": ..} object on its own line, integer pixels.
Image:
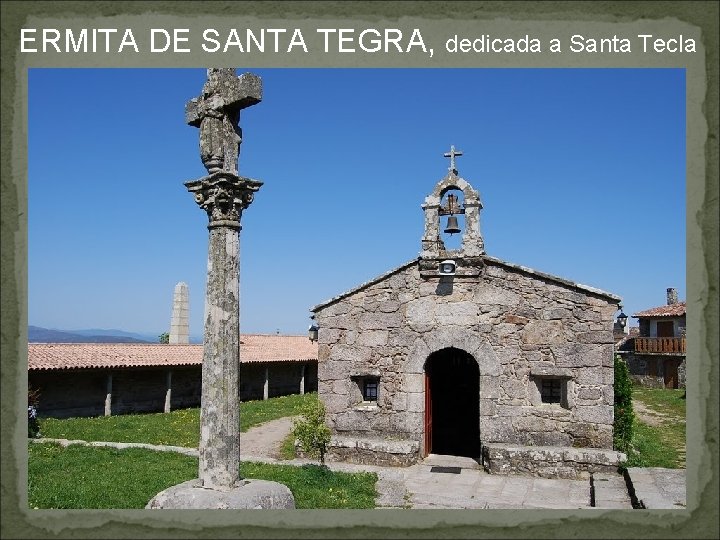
[
  {"x": 313, "y": 332},
  {"x": 622, "y": 318}
]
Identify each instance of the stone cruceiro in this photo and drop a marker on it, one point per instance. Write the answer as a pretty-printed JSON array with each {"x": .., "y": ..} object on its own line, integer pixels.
[{"x": 223, "y": 195}]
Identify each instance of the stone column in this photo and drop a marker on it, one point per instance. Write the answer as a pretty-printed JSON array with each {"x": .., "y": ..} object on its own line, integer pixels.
[
  {"x": 168, "y": 390},
  {"x": 219, "y": 412},
  {"x": 302, "y": 379},
  {"x": 108, "y": 395},
  {"x": 266, "y": 384},
  {"x": 223, "y": 195}
]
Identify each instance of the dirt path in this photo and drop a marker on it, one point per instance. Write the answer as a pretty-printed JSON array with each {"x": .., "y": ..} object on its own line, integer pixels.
[
  {"x": 647, "y": 415},
  {"x": 265, "y": 439}
]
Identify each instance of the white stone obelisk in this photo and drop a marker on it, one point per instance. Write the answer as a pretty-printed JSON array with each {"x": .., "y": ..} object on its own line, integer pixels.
[{"x": 180, "y": 321}]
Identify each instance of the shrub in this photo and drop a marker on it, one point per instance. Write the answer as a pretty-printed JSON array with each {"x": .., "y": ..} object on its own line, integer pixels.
[
  {"x": 624, "y": 415},
  {"x": 310, "y": 430}
]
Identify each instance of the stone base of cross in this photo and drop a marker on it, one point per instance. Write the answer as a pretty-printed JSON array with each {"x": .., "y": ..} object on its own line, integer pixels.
[{"x": 247, "y": 495}]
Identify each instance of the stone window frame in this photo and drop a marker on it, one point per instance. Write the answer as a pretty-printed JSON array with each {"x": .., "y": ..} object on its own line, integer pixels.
[
  {"x": 563, "y": 375},
  {"x": 359, "y": 390}
]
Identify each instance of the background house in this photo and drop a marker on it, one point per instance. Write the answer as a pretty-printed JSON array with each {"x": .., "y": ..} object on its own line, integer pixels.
[
  {"x": 656, "y": 356},
  {"x": 93, "y": 379}
]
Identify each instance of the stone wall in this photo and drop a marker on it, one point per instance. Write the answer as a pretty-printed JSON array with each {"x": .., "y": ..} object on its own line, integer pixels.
[
  {"x": 283, "y": 379},
  {"x": 138, "y": 391},
  {"x": 549, "y": 462},
  {"x": 682, "y": 373},
  {"x": 185, "y": 387},
  {"x": 69, "y": 393},
  {"x": 649, "y": 370},
  {"x": 645, "y": 370},
  {"x": 518, "y": 324},
  {"x": 373, "y": 451}
]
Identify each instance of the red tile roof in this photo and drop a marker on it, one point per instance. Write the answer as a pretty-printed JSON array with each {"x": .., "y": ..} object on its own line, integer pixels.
[
  {"x": 672, "y": 310},
  {"x": 253, "y": 348}
]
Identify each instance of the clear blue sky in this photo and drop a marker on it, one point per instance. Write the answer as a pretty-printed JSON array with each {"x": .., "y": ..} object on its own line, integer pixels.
[{"x": 581, "y": 173}]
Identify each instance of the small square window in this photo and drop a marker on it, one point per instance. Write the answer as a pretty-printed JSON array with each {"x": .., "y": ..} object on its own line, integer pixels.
[
  {"x": 551, "y": 390},
  {"x": 370, "y": 389}
]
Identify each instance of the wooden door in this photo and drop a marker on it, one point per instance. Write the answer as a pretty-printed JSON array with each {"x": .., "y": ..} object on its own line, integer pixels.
[
  {"x": 428, "y": 415},
  {"x": 665, "y": 329},
  {"x": 671, "y": 372}
]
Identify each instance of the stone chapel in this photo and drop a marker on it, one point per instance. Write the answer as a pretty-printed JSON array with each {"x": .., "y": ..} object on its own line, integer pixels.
[{"x": 460, "y": 353}]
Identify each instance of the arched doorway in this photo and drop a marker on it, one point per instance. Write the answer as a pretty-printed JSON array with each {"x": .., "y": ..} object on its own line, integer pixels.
[{"x": 452, "y": 404}]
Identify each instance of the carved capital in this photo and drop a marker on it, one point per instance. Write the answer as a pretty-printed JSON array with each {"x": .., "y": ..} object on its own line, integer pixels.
[{"x": 223, "y": 195}]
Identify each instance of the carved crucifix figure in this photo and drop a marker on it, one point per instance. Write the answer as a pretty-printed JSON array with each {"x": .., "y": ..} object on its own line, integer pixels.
[{"x": 217, "y": 113}]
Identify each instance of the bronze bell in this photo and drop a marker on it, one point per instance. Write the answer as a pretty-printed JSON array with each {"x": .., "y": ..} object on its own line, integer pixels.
[{"x": 452, "y": 225}]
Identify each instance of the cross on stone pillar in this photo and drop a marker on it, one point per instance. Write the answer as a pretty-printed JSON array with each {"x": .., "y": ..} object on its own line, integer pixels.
[
  {"x": 217, "y": 113},
  {"x": 452, "y": 154},
  {"x": 223, "y": 195}
]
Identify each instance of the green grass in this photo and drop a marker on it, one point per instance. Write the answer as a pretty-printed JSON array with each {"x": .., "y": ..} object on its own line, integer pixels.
[
  {"x": 662, "y": 445},
  {"x": 314, "y": 486},
  {"x": 101, "y": 477},
  {"x": 177, "y": 428},
  {"x": 82, "y": 477},
  {"x": 287, "y": 447},
  {"x": 651, "y": 450},
  {"x": 670, "y": 402}
]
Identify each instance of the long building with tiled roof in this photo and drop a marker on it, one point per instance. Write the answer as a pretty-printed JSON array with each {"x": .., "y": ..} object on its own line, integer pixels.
[
  {"x": 254, "y": 348},
  {"x": 91, "y": 379}
]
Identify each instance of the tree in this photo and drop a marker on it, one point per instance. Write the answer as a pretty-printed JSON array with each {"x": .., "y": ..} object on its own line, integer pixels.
[
  {"x": 624, "y": 415},
  {"x": 164, "y": 337},
  {"x": 310, "y": 430}
]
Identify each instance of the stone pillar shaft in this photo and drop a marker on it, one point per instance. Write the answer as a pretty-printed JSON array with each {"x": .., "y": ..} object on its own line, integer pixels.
[
  {"x": 108, "y": 395},
  {"x": 219, "y": 412},
  {"x": 168, "y": 391}
]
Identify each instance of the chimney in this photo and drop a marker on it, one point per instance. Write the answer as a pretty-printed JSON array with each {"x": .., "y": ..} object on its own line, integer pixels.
[
  {"x": 180, "y": 324},
  {"x": 672, "y": 296}
]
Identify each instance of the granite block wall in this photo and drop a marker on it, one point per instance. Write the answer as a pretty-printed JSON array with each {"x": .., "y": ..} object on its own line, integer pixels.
[{"x": 519, "y": 325}]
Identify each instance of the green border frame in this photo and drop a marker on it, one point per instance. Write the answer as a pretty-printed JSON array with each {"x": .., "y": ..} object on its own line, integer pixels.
[{"x": 700, "y": 520}]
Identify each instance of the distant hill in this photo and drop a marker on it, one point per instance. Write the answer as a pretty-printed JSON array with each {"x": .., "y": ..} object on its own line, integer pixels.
[
  {"x": 152, "y": 338},
  {"x": 37, "y": 334}
]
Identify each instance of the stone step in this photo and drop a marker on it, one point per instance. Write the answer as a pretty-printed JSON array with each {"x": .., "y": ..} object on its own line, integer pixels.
[
  {"x": 610, "y": 491},
  {"x": 440, "y": 460}
]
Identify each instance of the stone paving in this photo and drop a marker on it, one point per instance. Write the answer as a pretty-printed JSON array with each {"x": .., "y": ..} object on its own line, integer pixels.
[
  {"x": 473, "y": 488},
  {"x": 657, "y": 488},
  {"x": 610, "y": 491}
]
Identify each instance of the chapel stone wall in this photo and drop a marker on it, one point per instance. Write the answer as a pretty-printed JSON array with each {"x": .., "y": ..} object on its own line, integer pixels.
[{"x": 519, "y": 327}]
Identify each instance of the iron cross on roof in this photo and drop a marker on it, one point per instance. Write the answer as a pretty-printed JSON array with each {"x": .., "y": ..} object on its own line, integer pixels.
[{"x": 451, "y": 154}]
